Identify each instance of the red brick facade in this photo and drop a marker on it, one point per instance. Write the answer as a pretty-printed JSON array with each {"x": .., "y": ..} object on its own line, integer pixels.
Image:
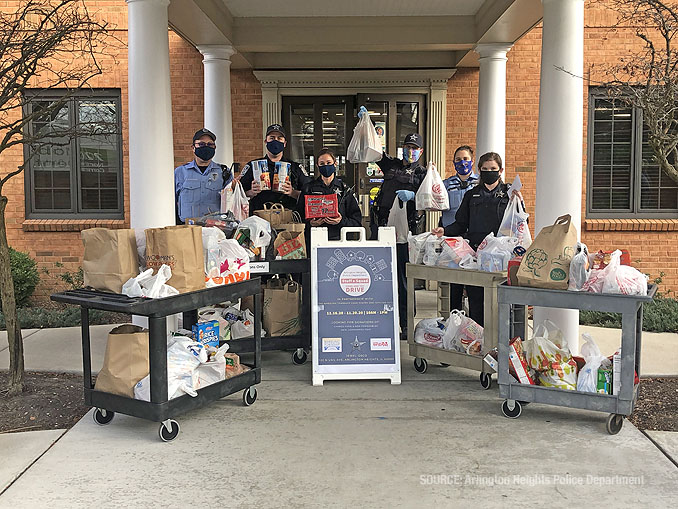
[{"x": 652, "y": 244}]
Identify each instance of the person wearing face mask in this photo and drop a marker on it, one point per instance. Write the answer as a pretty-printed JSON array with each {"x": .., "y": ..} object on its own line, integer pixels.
[
  {"x": 197, "y": 184},
  {"x": 402, "y": 178},
  {"x": 276, "y": 142},
  {"x": 328, "y": 183},
  {"x": 480, "y": 214}
]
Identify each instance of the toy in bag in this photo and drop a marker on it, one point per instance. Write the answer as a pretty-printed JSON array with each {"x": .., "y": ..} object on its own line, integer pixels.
[
  {"x": 432, "y": 194},
  {"x": 514, "y": 223},
  {"x": 552, "y": 359},
  {"x": 494, "y": 253},
  {"x": 587, "y": 381},
  {"x": 463, "y": 334},
  {"x": 579, "y": 267},
  {"x": 430, "y": 332},
  {"x": 617, "y": 278},
  {"x": 365, "y": 145},
  {"x": 417, "y": 246}
]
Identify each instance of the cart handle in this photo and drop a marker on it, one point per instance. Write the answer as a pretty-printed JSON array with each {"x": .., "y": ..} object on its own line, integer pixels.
[{"x": 353, "y": 229}]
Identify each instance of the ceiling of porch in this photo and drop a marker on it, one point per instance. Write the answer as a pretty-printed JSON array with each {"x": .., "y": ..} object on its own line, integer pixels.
[{"x": 353, "y": 34}]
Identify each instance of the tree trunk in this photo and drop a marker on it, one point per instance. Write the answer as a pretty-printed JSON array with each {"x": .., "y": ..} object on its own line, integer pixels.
[{"x": 16, "y": 345}]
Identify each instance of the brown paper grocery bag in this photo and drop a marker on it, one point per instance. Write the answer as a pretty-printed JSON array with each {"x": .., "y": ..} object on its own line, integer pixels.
[
  {"x": 546, "y": 264},
  {"x": 110, "y": 258},
  {"x": 125, "y": 360},
  {"x": 180, "y": 247},
  {"x": 274, "y": 213},
  {"x": 290, "y": 245},
  {"x": 281, "y": 307}
]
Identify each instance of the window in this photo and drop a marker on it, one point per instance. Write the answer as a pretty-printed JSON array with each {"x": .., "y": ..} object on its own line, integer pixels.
[
  {"x": 624, "y": 181},
  {"x": 81, "y": 176}
]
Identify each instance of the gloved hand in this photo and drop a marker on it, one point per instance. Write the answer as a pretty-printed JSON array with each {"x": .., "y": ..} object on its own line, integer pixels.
[
  {"x": 405, "y": 195},
  {"x": 361, "y": 111}
]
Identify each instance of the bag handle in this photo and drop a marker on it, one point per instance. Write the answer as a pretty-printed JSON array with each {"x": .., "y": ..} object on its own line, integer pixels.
[
  {"x": 565, "y": 219},
  {"x": 277, "y": 206},
  {"x": 353, "y": 229},
  {"x": 296, "y": 217},
  {"x": 268, "y": 205}
]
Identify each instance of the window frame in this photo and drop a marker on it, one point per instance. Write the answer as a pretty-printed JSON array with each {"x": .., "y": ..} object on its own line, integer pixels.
[
  {"x": 635, "y": 211},
  {"x": 76, "y": 211}
]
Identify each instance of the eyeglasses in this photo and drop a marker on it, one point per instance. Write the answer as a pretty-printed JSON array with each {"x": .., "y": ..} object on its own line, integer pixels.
[{"x": 202, "y": 144}]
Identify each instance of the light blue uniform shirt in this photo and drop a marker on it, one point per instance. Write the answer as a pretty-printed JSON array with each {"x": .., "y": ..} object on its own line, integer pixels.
[
  {"x": 455, "y": 193},
  {"x": 197, "y": 193}
]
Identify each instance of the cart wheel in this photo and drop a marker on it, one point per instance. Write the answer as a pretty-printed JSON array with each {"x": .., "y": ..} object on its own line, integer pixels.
[
  {"x": 249, "y": 396},
  {"x": 485, "y": 380},
  {"x": 614, "y": 423},
  {"x": 102, "y": 416},
  {"x": 420, "y": 365},
  {"x": 299, "y": 356},
  {"x": 169, "y": 430},
  {"x": 512, "y": 414},
  {"x": 444, "y": 364}
]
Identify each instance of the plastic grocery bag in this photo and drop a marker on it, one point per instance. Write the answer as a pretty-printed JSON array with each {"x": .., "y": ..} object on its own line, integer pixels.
[
  {"x": 240, "y": 205},
  {"x": 210, "y": 246},
  {"x": 430, "y": 332},
  {"x": 244, "y": 326},
  {"x": 254, "y": 234},
  {"x": 579, "y": 267},
  {"x": 397, "y": 217},
  {"x": 468, "y": 262},
  {"x": 150, "y": 286},
  {"x": 212, "y": 371},
  {"x": 432, "y": 250},
  {"x": 417, "y": 246},
  {"x": 227, "y": 197},
  {"x": 494, "y": 253},
  {"x": 553, "y": 362},
  {"x": 463, "y": 334},
  {"x": 453, "y": 250},
  {"x": 587, "y": 380},
  {"x": 514, "y": 223},
  {"x": 616, "y": 278},
  {"x": 365, "y": 145},
  {"x": 432, "y": 194}
]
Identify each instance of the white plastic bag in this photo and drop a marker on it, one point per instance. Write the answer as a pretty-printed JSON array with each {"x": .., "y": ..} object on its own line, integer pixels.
[
  {"x": 432, "y": 250},
  {"x": 397, "y": 217},
  {"x": 514, "y": 223},
  {"x": 148, "y": 285},
  {"x": 494, "y": 253},
  {"x": 432, "y": 194},
  {"x": 579, "y": 267},
  {"x": 210, "y": 246},
  {"x": 551, "y": 358},
  {"x": 227, "y": 197},
  {"x": 430, "y": 332},
  {"x": 365, "y": 145},
  {"x": 240, "y": 206},
  {"x": 616, "y": 278},
  {"x": 244, "y": 326},
  {"x": 587, "y": 381},
  {"x": 463, "y": 334},
  {"x": 469, "y": 262},
  {"x": 233, "y": 264},
  {"x": 258, "y": 231},
  {"x": 212, "y": 371},
  {"x": 417, "y": 246},
  {"x": 453, "y": 250}
]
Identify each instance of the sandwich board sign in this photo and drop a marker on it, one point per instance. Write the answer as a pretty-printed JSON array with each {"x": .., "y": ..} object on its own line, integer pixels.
[{"x": 354, "y": 307}]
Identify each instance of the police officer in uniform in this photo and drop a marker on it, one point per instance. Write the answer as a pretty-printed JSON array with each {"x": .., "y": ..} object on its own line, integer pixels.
[
  {"x": 402, "y": 178},
  {"x": 480, "y": 214},
  {"x": 276, "y": 142},
  {"x": 197, "y": 184}
]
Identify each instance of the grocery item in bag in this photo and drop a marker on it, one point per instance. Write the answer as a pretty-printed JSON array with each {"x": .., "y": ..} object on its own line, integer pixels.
[
  {"x": 110, "y": 258},
  {"x": 616, "y": 278},
  {"x": 125, "y": 360},
  {"x": 463, "y": 334},
  {"x": 554, "y": 364},
  {"x": 453, "y": 250},
  {"x": 432, "y": 194},
  {"x": 494, "y": 253},
  {"x": 587, "y": 381},
  {"x": 417, "y": 247},
  {"x": 179, "y": 247},
  {"x": 430, "y": 332},
  {"x": 365, "y": 145},
  {"x": 546, "y": 263},
  {"x": 290, "y": 245},
  {"x": 254, "y": 234},
  {"x": 579, "y": 268},
  {"x": 432, "y": 249}
]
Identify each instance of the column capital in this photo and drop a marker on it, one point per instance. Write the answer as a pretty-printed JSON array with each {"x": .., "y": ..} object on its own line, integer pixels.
[
  {"x": 494, "y": 51},
  {"x": 164, "y": 3},
  {"x": 211, "y": 52}
]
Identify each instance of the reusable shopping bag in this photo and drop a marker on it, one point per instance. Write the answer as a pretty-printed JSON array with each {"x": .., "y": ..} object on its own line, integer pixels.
[
  {"x": 546, "y": 264},
  {"x": 397, "y": 217},
  {"x": 180, "y": 247},
  {"x": 365, "y": 145},
  {"x": 110, "y": 258},
  {"x": 514, "y": 223},
  {"x": 125, "y": 360},
  {"x": 274, "y": 213},
  {"x": 432, "y": 194},
  {"x": 280, "y": 315}
]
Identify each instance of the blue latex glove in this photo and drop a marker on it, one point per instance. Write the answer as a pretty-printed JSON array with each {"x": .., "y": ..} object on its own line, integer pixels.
[
  {"x": 405, "y": 195},
  {"x": 361, "y": 111}
]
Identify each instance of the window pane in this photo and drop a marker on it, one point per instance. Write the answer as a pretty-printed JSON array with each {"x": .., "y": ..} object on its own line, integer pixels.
[
  {"x": 601, "y": 199},
  {"x": 62, "y": 198},
  {"x": 622, "y": 132},
  {"x": 407, "y": 120},
  {"x": 603, "y": 110},
  {"x": 621, "y": 199},
  {"x": 90, "y": 199},
  {"x": 668, "y": 199},
  {"x": 602, "y": 132},
  {"x": 621, "y": 176},
  {"x": 602, "y": 176},
  {"x": 649, "y": 198},
  {"x": 602, "y": 154},
  {"x": 621, "y": 154},
  {"x": 334, "y": 129},
  {"x": 658, "y": 189},
  {"x": 301, "y": 149},
  {"x": 109, "y": 198}
]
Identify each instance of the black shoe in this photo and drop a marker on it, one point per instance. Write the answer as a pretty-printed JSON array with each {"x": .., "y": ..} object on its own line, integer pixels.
[{"x": 403, "y": 334}]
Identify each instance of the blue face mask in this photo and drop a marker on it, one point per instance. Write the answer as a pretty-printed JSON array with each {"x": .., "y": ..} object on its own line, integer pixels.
[
  {"x": 463, "y": 167},
  {"x": 275, "y": 147},
  {"x": 412, "y": 155},
  {"x": 327, "y": 170}
]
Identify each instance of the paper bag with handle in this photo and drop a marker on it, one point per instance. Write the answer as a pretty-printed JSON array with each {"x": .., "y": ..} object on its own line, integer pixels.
[
  {"x": 110, "y": 258},
  {"x": 281, "y": 307},
  {"x": 546, "y": 264},
  {"x": 180, "y": 247},
  {"x": 125, "y": 360},
  {"x": 274, "y": 213}
]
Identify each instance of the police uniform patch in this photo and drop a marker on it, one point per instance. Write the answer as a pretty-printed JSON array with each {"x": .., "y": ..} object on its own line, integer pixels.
[{"x": 245, "y": 169}]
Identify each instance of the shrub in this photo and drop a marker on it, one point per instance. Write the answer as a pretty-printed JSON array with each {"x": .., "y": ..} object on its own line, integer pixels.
[
  {"x": 25, "y": 276},
  {"x": 44, "y": 318},
  {"x": 660, "y": 315}
]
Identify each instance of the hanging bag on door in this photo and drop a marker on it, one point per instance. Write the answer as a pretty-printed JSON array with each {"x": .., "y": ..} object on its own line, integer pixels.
[{"x": 365, "y": 146}]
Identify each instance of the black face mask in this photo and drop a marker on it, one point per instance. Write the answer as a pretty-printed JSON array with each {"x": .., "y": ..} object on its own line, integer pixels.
[
  {"x": 489, "y": 177},
  {"x": 205, "y": 153}
]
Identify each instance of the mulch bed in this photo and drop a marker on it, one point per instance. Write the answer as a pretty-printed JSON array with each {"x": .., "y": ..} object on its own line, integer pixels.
[{"x": 657, "y": 405}]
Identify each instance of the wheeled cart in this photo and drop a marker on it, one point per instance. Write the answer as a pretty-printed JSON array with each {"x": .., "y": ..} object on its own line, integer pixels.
[
  {"x": 423, "y": 353},
  {"x": 160, "y": 408},
  {"x": 619, "y": 405}
]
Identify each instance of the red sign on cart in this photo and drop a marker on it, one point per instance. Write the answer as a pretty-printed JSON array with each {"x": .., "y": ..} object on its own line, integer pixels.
[{"x": 321, "y": 205}]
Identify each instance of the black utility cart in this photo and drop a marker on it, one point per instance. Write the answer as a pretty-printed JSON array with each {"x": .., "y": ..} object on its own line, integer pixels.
[{"x": 160, "y": 409}]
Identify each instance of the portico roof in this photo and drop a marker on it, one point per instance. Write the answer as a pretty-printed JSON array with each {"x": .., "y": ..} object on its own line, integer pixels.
[{"x": 353, "y": 34}]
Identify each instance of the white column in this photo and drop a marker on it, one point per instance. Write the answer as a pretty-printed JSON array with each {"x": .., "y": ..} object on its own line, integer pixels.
[
  {"x": 151, "y": 150},
  {"x": 559, "y": 146},
  {"x": 491, "y": 127},
  {"x": 218, "y": 118}
]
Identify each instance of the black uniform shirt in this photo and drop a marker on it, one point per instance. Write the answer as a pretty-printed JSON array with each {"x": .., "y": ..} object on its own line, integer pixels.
[{"x": 297, "y": 178}]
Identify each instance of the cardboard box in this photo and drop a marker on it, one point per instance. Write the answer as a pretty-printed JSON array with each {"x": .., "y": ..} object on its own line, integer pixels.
[
  {"x": 616, "y": 372},
  {"x": 207, "y": 333},
  {"x": 604, "y": 385},
  {"x": 517, "y": 361}
]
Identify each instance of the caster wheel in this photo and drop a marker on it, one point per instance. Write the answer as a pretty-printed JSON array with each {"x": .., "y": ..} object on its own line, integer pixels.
[
  {"x": 102, "y": 416},
  {"x": 614, "y": 423},
  {"x": 169, "y": 430},
  {"x": 485, "y": 380},
  {"x": 249, "y": 396},
  {"x": 420, "y": 365},
  {"x": 444, "y": 365},
  {"x": 511, "y": 413},
  {"x": 299, "y": 357}
]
